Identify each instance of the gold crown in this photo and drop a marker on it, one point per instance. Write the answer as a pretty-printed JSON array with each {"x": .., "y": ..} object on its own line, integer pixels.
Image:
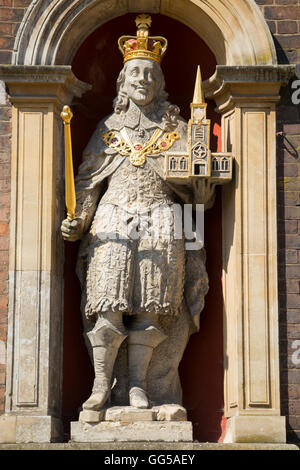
[{"x": 142, "y": 46}]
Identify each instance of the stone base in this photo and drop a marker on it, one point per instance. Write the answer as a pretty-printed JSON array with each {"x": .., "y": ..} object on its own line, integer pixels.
[
  {"x": 25, "y": 429},
  {"x": 141, "y": 431},
  {"x": 252, "y": 429}
]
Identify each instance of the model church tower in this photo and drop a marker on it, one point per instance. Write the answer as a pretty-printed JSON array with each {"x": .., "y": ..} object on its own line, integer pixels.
[{"x": 199, "y": 161}]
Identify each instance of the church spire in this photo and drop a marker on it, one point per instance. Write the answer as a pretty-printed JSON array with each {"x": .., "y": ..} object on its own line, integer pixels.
[{"x": 198, "y": 92}]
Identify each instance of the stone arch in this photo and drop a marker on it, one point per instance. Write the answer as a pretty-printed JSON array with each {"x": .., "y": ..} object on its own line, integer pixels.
[{"x": 235, "y": 30}]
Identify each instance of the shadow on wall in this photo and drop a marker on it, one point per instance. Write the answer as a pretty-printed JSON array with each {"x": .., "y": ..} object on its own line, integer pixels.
[{"x": 98, "y": 62}]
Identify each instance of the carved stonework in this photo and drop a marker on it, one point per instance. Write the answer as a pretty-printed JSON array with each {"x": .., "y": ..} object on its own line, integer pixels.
[{"x": 142, "y": 292}]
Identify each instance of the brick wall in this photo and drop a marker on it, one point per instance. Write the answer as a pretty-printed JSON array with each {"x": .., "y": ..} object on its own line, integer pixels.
[{"x": 283, "y": 18}]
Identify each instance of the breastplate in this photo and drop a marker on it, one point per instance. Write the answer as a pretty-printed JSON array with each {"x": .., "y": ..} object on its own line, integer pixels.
[{"x": 136, "y": 188}]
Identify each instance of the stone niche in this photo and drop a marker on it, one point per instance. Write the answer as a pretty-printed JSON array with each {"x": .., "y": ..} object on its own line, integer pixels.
[{"x": 245, "y": 88}]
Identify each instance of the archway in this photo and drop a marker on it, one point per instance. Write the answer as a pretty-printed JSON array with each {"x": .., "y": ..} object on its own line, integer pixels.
[
  {"x": 245, "y": 88},
  {"x": 234, "y": 30}
]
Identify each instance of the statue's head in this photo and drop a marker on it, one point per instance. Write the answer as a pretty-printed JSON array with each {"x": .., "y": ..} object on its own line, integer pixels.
[{"x": 141, "y": 81}]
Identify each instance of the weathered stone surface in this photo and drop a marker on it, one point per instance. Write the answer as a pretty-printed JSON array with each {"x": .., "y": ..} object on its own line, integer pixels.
[
  {"x": 251, "y": 42},
  {"x": 171, "y": 413},
  {"x": 17, "y": 429},
  {"x": 128, "y": 414},
  {"x": 256, "y": 429},
  {"x": 90, "y": 416},
  {"x": 108, "y": 446},
  {"x": 7, "y": 428},
  {"x": 138, "y": 431}
]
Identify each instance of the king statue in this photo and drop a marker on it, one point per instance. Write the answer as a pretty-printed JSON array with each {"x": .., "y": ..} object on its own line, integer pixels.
[{"x": 142, "y": 290}]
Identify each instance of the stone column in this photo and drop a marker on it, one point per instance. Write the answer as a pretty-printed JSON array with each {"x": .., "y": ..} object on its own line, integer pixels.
[
  {"x": 246, "y": 97},
  {"x": 35, "y": 319}
]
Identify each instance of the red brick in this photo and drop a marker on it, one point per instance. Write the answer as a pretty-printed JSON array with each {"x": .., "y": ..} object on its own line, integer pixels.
[
  {"x": 5, "y": 29},
  {"x": 292, "y": 213},
  {"x": 272, "y": 26},
  {"x": 3, "y": 260},
  {"x": 289, "y": 41},
  {"x": 2, "y": 377},
  {"x": 4, "y": 171},
  {"x": 281, "y": 12},
  {"x": 287, "y": 27},
  {"x": 14, "y": 28},
  {"x": 290, "y": 169},
  {"x": 3, "y": 332},
  {"x": 4, "y": 200},
  {"x": 3, "y": 301},
  {"x": 293, "y": 301},
  {"x": 4, "y": 243},
  {"x": 6, "y": 43},
  {"x": 5, "y": 142},
  {"x": 5, "y": 127},
  {"x": 5, "y": 113},
  {"x": 292, "y": 286},
  {"x": 5, "y": 57},
  {"x": 3, "y": 288},
  {"x": 290, "y": 240},
  {"x": 21, "y": 3},
  {"x": 293, "y": 129},
  {"x": 293, "y": 272},
  {"x": 4, "y": 185},
  {"x": 3, "y": 276},
  {"x": 11, "y": 14},
  {"x": 4, "y": 214},
  {"x": 4, "y": 229}
]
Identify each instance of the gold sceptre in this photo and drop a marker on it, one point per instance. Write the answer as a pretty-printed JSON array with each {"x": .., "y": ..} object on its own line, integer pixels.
[{"x": 70, "y": 195}]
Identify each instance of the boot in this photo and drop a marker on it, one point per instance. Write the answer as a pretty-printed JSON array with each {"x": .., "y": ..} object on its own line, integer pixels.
[
  {"x": 141, "y": 344},
  {"x": 105, "y": 341}
]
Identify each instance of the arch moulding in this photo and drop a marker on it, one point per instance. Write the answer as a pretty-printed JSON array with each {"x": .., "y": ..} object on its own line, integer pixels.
[
  {"x": 245, "y": 88},
  {"x": 235, "y": 30}
]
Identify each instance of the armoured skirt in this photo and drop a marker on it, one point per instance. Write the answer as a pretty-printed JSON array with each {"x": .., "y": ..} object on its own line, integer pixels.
[{"x": 135, "y": 262}]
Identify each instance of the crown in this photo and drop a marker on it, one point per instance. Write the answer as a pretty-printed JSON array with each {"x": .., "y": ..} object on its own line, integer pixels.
[{"x": 142, "y": 46}]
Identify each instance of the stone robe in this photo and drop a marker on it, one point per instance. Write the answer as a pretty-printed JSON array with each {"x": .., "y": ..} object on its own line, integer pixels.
[{"x": 144, "y": 274}]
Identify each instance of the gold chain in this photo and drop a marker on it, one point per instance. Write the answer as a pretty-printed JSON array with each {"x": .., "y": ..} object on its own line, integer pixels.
[{"x": 138, "y": 152}]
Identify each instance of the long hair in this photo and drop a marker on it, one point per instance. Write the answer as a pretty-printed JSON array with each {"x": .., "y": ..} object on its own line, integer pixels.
[{"x": 166, "y": 111}]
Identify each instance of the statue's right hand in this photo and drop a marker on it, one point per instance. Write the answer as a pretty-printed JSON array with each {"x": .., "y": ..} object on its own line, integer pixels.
[{"x": 71, "y": 230}]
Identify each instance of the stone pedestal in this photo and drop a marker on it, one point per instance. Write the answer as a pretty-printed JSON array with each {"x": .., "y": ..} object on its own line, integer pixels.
[
  {"x": 140, "y": 431},
  {"x": 127, "y": 424}
]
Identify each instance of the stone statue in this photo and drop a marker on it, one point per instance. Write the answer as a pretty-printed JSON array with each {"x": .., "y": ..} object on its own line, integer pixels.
[{"x": 142, "y": 292}]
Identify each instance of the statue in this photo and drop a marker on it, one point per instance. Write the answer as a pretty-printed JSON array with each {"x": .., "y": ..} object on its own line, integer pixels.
[{"x": 142, "y": 291}]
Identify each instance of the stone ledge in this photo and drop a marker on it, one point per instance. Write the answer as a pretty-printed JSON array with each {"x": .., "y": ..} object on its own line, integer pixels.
[{"x": 123, "y": 446}]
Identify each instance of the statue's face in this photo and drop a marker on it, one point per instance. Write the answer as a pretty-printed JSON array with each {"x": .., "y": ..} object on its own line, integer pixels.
[{"x": 141, "y": 81}]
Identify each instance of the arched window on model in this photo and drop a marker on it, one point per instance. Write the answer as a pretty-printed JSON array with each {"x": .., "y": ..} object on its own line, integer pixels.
[
  {"x": 173, "y": 164},
  {"x": 183, "y": 165},
  {"x": 215, "y": 164}
]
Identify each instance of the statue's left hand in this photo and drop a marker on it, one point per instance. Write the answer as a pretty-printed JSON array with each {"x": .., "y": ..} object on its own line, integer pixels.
[
  {"x": 72, "y": 230},
  {"x": 204, "y": 192}
]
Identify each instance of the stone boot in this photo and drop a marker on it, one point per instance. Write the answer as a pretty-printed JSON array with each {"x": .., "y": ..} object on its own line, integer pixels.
[
  {"x": 105, "y": 341},
  {"x": 140, "y": 348}
]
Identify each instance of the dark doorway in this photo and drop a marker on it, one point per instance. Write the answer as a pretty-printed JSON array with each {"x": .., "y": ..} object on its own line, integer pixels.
[{"x": 98, "y": 62}]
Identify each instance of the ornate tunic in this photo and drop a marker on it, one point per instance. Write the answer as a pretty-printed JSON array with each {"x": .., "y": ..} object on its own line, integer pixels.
[{"x": 130, "y": 259}]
